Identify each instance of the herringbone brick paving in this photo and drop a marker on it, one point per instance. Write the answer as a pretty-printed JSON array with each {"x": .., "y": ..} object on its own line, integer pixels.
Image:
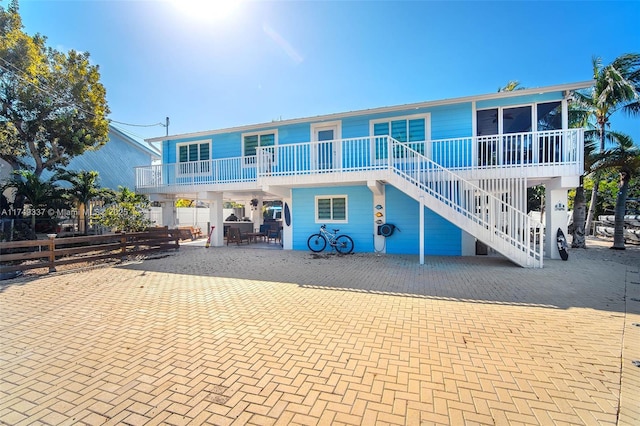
[{"x": 243, "y": 336}]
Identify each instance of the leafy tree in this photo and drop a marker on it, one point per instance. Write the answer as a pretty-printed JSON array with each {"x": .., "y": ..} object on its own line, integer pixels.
[
  {"x": 616, "y": 89},
  {"x": 52, "y": 105},
  {"x": 126, "y": 212}
]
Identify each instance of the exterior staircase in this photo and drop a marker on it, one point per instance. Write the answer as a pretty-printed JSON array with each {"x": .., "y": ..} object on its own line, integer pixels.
[{"x": 491, "y": 219}]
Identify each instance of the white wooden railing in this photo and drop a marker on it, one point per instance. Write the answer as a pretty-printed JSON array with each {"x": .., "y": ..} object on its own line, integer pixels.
[
  {"x": 493, "y": 221},
  {"x": 226, "y": 170},
  {"x": 533, "y": 149}
]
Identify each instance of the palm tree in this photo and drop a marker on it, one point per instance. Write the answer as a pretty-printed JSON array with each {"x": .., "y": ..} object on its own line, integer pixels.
[
  {"x": 511, "y": 86},
  {"x": 39, "y": 193},
  {"x": 616, "y": 89},
  {"x": 85, "y": 186},
  {"x": 625, "y": 157}
]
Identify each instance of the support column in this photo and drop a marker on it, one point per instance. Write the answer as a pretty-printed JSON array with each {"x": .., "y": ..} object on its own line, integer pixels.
[
  {"x": 169, "y": 212},
  {"x": 379, "y": 207},
  {"x": 555, "y": 215},
  {"x": 256, "y": 213},
  {"x": 287, "y": 231},
  {"x": 468, "y": 243},
  {"x": 421, "y": 235},
  {"x": 215, "y": 216}
]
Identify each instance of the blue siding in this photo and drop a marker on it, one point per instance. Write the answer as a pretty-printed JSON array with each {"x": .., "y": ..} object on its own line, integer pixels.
[
  {"x": 168, "y": 152},
  {"x": 451, "y": 121},
  {"x": 355, "y": 127},
  {"x": 227, "y": 145},
  {"x": 447, "y": 122},
  {"x": 360, "y": 216},
  {"x": 294, "y": 133},
  {"x": 442, "y": 238}
]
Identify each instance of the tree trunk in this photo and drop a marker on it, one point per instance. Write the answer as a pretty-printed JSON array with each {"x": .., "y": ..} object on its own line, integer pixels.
[
  {"x": 602, "y": 122},
  {"x": 579, "y": 213},
  {"x": 33, "y": 224},
  {"x": 621, "y": 201},
  {"x": 592, "y": 204}
]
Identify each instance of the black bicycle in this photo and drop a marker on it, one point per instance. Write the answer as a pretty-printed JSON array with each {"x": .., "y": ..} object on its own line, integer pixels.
[{"x": 342, "y": 243}]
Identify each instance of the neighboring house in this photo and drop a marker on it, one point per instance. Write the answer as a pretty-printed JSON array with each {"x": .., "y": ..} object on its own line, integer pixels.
[
  {"x": 114, "y": 161},
  {"x": 449, "y": 174}
]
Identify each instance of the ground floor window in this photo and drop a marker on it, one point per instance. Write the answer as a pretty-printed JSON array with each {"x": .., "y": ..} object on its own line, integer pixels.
[{"x": 331, "y": 208}]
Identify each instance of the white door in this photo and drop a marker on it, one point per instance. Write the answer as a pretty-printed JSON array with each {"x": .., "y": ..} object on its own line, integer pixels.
[{"x": 326, "y": 155}]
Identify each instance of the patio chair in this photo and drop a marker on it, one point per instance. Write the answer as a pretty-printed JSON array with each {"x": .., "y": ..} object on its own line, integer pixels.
[
  {"x": 235, "y": 236},
  {"x": 264, "y": 231},
  {"x": 273, "y": 233}
]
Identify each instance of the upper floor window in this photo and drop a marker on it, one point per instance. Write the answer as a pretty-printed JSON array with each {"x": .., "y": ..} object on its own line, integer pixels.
[
  {"x": 251, "y": 142},
  {"x": 331, "y": 208},
  {"x": 412, "y": 131},
  {"x": 519, "y": 119},
  {"x": 191, "y": 152},
  {"x": 549, "y": 116},
  {"x": 517, "y": 144}
]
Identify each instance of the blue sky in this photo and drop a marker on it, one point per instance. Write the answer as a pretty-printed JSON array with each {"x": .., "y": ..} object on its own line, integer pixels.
[{"x": 263, "y": 61}]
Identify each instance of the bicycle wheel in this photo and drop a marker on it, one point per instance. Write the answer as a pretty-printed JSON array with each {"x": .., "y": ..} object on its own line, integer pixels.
[
  {"x": 316, "y": 243},
  {"x": 344, "y": 244}
]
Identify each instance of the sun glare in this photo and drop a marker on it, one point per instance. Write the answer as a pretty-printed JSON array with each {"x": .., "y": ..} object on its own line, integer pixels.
[{"x": 214, "y": 10}]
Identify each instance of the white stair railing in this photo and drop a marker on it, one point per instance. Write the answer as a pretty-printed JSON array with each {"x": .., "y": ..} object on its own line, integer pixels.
[{"x": 491, "y": 220}]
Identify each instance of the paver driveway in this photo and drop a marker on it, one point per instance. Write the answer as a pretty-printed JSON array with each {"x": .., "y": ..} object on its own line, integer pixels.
[{"x": 242, "y": 336}]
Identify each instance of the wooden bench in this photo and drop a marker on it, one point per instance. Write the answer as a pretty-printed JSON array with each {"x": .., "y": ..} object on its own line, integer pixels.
[{"x": 189, "y": 232}]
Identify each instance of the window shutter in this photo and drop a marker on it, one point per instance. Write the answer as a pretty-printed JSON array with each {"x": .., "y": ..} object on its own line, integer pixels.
[
  {"x": 380, "y": 129},
  {"x": 182, "y": 154},
  {"x": 416, "y": 130},
  {"x": 399, "y": 130},
  {"x": 268, "y": 140},
  {"x": 250, "y": 145},
  {"x": 339, "y": 209},
  {"x": 324, "y": 208}
]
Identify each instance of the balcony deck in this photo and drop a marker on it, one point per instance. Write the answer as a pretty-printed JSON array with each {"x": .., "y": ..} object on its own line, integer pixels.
[{"x": 536, "y": 155}]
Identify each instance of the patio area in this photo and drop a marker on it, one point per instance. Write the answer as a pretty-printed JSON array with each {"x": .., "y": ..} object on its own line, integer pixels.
[{"x": 236, "y": 335}]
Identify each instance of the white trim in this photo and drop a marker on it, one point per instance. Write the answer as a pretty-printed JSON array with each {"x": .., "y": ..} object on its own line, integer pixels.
[
  {"x": 332, "y": 196},
  {"x": 384, "y": 110}
]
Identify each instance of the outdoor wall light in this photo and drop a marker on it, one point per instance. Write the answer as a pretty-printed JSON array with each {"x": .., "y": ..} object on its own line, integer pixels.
[{"x": 379, "y": 214}]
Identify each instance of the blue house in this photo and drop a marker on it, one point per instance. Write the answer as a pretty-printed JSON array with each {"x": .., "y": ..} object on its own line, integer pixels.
[{"x": 448, "y": 174}]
